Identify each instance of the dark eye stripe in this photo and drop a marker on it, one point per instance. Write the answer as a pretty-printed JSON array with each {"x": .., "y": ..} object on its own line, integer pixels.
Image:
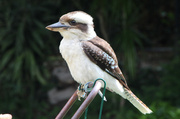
[{"x": 82, "y": 27}]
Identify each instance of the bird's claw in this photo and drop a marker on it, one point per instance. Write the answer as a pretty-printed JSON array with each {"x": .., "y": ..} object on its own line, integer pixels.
[{"x": 83, "y": 90}]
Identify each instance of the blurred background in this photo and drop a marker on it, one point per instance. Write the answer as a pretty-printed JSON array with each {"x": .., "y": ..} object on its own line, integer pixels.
[{"x": 35, "y": 82}]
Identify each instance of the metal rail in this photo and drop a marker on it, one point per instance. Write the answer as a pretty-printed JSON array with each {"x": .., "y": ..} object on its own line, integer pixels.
[{"x": 84, "y": 106}]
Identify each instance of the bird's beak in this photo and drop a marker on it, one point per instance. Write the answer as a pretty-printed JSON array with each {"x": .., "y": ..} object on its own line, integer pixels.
[{"x": 56, "y": 26}]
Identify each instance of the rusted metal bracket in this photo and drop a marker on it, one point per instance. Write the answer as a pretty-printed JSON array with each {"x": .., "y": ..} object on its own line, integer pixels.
[{"x": 96, "y": 87}]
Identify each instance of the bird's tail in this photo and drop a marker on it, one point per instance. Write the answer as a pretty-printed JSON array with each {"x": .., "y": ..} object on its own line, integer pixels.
[{"x": 136, "y": 102}]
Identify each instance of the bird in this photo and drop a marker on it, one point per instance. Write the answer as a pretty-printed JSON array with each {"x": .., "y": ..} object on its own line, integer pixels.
[{"x": 90, "y": 57}]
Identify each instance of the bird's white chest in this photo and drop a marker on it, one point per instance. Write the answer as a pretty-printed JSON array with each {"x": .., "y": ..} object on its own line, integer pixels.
[{"x": 80, "y": 66}]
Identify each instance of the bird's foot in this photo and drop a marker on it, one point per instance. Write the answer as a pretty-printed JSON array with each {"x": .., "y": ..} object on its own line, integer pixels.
[{"x": 83, "y": 90}]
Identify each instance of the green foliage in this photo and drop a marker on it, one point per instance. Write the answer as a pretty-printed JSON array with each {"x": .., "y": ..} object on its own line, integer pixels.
[
  {"x": 162, "y": 110},
  {"x": 22, "y": 55},
  {"x": 170, "y": 83},
  {"x": 22, "y": 42}
]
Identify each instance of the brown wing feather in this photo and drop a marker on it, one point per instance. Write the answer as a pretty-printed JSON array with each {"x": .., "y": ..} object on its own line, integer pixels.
[{"x": 101, "y": 53}]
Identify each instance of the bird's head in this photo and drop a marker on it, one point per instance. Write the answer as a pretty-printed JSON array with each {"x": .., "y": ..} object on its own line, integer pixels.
[{"x": 75, "y": 25}]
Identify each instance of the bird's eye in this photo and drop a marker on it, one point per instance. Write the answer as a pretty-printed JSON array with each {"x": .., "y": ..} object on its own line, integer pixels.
[{"x": 72, "y": 22}]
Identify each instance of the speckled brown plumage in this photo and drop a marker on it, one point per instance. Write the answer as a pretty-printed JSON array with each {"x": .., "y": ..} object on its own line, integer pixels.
[{"x": 101, "y": 53}]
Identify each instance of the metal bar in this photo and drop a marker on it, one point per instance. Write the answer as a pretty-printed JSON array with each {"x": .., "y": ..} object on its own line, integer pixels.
[
  {"x": 67, "y": 106},
  {"x": 87, "y": 101}
]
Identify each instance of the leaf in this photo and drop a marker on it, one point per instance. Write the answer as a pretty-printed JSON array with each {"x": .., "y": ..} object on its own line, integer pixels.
[
  {"x": 40, "y": 77},
  {"x": 18, "y": 68},
  {"x": 5, "y": 58},
  {"x": 31, "y": 63},
  {"x": 37, "y": 39}
]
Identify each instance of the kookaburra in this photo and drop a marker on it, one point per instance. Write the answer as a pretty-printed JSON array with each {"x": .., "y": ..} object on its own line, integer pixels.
[{"x": 90, "y": 57}]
